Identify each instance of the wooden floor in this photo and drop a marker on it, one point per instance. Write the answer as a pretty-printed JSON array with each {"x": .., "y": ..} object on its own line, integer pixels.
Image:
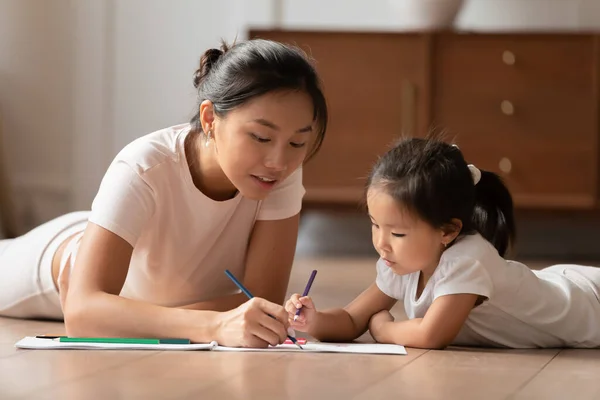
[{"x": 457, "y": 373}]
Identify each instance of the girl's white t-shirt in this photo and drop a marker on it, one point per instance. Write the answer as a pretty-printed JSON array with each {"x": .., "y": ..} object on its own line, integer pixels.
[
  {"x": 183, "y": 241},
  {"x": 558, "y": 306}
]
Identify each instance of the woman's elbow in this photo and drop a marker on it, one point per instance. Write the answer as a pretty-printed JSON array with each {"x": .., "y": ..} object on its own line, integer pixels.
[
  {"x": 74, "y": 317},
  {"x": 77, "y": 314},
  {"x": 73, "y": 322}
]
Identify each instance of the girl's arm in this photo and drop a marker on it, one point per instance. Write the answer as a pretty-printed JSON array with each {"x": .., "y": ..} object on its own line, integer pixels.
[
  {"x": 93, "y": 306},
  {"x": 348, "y": 323},
  {"x": 268, "y": 264},
  {"x": 436, "y": 330}
]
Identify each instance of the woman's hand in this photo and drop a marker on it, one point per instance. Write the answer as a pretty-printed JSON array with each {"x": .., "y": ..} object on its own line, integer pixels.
[
  {"x": 378, "y": 322},
  {"x": 256, "y": 323}
]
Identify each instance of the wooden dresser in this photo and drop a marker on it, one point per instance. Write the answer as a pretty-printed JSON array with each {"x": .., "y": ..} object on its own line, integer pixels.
[{"x": 525, "y": 106}]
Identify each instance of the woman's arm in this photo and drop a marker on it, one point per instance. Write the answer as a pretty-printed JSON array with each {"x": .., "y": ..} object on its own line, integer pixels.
[
  {"x": 352, "y": 321},
  {"x": 436, "y": 330},
  {"x": 224, "y": 303},
  {"x": 270, "y": 258},
  {"x": 268, "y": 265},
  {"x": 93, "y": 306}
]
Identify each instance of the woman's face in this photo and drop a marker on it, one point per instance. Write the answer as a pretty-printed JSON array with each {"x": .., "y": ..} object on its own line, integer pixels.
[{"x": 259, "y": 144}]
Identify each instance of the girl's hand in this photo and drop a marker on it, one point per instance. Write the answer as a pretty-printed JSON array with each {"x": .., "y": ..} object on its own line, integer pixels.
[
  {"x": 377, "y": 322},
  {"x": 251, "y": 325},
  {"x": 307, "y": 314}
]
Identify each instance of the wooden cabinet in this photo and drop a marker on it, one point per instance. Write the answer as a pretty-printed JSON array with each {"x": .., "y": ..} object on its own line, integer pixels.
[
  {"x": 522, "y": 105},
  {"x": 371, "y": 84}
]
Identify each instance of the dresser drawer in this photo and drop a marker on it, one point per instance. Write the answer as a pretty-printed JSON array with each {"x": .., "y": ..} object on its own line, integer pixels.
[
  {"x": 525, "y": 108},
  {"x": 546, "y": 151},
  {"x": 518, "y": 62},
  {"x": 538, "y": 175}
]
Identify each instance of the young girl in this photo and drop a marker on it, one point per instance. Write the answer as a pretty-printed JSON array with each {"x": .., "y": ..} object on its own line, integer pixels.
[
  {"x": 441, "y": 228},
  {"x": 179, "y": 206}
]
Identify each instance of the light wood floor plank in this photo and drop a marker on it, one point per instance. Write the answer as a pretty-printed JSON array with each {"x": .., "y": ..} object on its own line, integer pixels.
[
  {"x": 462, "y": 374},
  {"x": 573, "y": 374},
  {"x": 310, "y": 376},
  {"x": 456, "y": 373},
  {"x": 166, "y": 375},
  {"x": 12, "y": 330},
  {"x": 44, "y": 369}
]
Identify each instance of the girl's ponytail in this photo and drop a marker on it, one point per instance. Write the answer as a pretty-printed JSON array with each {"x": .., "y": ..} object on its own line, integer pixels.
[{"x": 493, "y": 215}]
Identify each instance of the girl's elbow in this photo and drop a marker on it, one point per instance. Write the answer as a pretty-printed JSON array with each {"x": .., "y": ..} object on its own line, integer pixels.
[
  {"x": 436, "y": 345},
  {"x": 436, "y": 342},
  {"x": 430, "y": 342}
]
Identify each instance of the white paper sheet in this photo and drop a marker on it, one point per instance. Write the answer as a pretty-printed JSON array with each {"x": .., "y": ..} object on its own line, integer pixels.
[
  {"x": 321, "y": 347},
  {"x": 30, "y": 342}
]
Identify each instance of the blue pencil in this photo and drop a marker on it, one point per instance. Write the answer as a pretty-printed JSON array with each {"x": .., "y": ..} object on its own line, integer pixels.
[
  {"x": 250, "y": 296},
  {"x": 306, "y": 290}
]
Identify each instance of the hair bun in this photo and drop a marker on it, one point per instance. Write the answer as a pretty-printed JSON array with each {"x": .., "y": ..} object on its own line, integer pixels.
[{"x": 207, "y": 61}]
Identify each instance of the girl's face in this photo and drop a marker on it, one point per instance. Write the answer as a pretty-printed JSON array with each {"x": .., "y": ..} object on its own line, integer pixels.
[
  {"x": 406, "y": 244},
  {"x": 259, "y": 144}
]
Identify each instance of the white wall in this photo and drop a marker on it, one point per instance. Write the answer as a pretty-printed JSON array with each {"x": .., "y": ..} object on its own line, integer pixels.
[
  {"x": 156, "y": 52},
  {"x": 81, "y": 78},
  {"x": 475, "y": 15},
  {"x": 589, "y": 14},
  {"x": 523, "y": 14},
  {"x": 91, "y": 110},
  {"x": 35, "y": 101},
  {"x": 149, "y": 50}
]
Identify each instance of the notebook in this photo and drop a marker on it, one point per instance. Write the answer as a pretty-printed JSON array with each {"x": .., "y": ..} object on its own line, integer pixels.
[{"x": 30, "y": 342}]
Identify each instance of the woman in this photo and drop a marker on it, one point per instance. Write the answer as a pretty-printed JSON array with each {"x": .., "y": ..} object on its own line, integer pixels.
[{"x": 179, "y": 206}]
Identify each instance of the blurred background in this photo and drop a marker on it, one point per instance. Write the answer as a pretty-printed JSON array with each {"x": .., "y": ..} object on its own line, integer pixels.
[{"x": 516, "y": 83}]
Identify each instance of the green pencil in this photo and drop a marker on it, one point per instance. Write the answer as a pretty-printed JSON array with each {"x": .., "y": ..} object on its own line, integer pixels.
[{"x": 64, "y": 339}]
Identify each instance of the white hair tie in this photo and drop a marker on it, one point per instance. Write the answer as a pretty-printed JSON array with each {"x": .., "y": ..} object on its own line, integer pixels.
[{"x": 475, "y": 173}]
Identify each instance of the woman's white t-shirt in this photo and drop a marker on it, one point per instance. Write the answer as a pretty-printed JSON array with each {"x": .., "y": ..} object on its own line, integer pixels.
[
  {"x": 558, "y": 306},
  {"x": 183, "y": 241}
]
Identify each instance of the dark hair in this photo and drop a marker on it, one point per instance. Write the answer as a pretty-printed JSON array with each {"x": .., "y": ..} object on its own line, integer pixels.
[
  {"x": 229, "y": 77},
  {"x": 432, "y": 179}
]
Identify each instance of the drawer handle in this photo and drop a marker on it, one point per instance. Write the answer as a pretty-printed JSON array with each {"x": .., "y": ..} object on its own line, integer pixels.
[
  {"x": 507, "y": 107},
  {"x": 505, "y": 165},
  {"x": 508, "y": 57}
]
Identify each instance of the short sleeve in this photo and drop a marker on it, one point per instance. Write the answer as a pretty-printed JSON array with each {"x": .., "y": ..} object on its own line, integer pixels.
[
  {"x": 285, "y": 200},
  {"x": 393, "y": 285},
  {"x": 124, "y": 202},
  {"x": 463, "y": 275}
]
